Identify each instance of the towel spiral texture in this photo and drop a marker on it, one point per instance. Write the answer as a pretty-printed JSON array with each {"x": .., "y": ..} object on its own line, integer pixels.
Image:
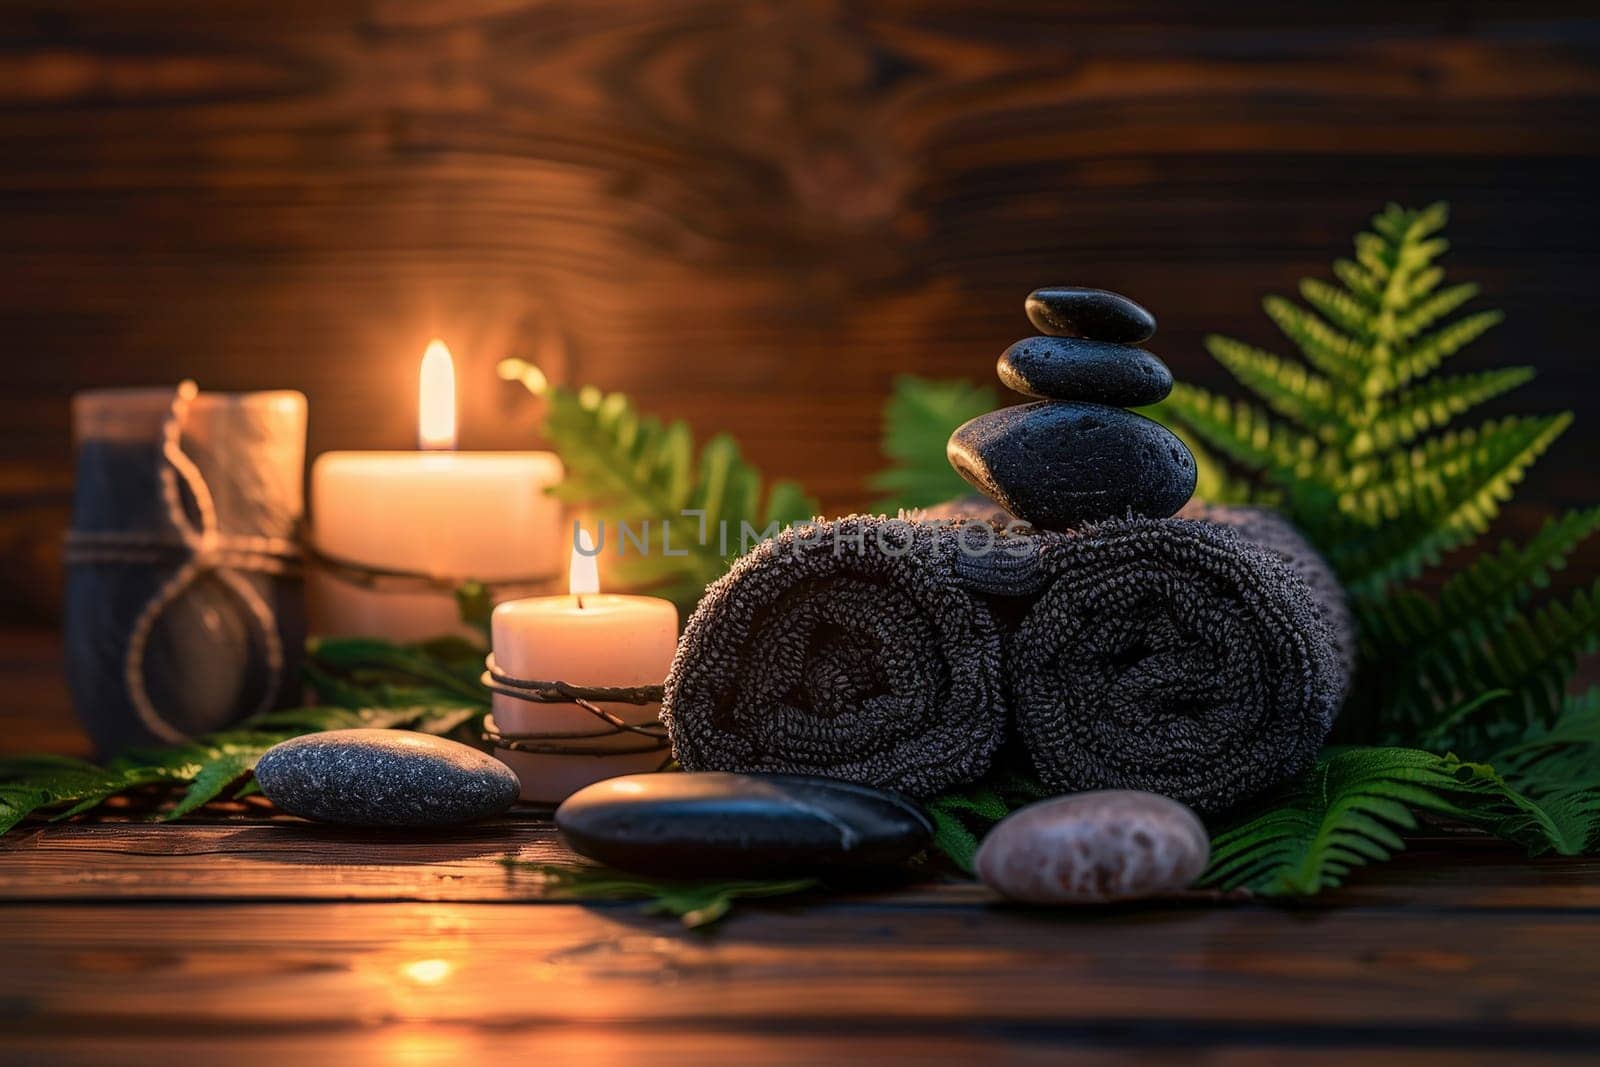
[
  {"x": 1174, "y": 656},
  {"x": 849, "y": 649}
]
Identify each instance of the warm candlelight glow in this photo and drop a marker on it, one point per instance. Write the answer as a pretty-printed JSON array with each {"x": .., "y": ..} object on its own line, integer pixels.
[
  {"x": 427, "y": 972},
  {"x": 584, "y": 575},
  {"x": 436, "y": 409}
]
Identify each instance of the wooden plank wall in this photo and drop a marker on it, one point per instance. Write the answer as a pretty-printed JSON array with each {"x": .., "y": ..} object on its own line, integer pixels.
[{"x": 752, "y": 215}]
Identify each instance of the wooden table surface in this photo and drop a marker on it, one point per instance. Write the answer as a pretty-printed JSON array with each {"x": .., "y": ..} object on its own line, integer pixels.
[{"x": 251, "y": 937}]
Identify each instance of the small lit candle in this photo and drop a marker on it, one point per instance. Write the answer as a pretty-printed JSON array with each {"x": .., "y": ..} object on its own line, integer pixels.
[
  {"x": 587, "y": 639},
  {"x": 438, "y": 513}
]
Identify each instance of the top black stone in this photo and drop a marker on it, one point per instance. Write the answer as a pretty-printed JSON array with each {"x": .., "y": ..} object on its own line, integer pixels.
[{"x": 1098, "y": 314}]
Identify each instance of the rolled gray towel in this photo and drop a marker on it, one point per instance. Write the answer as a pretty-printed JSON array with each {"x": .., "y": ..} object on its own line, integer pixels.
[
  {"x": 1270, "y": 530},
  {"x": 1173, "y": 656},
  {"x": 849, "y": 649}
]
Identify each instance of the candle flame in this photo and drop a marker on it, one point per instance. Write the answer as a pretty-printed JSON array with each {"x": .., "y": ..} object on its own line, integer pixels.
[
  {"x": 436, "y": 406},
  {"x": 584, "y": 575}
]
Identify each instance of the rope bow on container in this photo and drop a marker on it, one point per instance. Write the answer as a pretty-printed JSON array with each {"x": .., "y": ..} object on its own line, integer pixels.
[{"x": 196, "y": 544}]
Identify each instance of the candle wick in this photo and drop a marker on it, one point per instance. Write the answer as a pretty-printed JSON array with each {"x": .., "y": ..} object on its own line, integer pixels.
[{"x": 580, "y": 601}]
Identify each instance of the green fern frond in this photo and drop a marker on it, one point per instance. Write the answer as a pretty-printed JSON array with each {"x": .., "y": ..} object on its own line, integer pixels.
[
  {"x": 1243, "y": 433},
  {"x": 1575, "y": 732},
  {"x": 206, "y": 766},
  {"x": 918, "y": 421},
  {"x": 1430, "y": 406},
  {"x": 1425, "y": 354},
  {"x": 1536, "y": 654},
  {"x": 1303, "y": 397},
  {"x": 1341, "y": 358},
  {"x": 1423, "y": 313},
  {"x": 1341, "y": 308},
  {"x": 697, "y": 903},
  {"x": 1487, "y": 591},
  {"x": 962, "y": 816},
  {"x": 1413, "y": 520},
  {"x": 1346, "y": 812},
  {"x": 1527, "y": 660},
  {"x": 692, "y": 514},
  {"x": 1353, "y": 807},
  {"x": 1408, "y": 625}
]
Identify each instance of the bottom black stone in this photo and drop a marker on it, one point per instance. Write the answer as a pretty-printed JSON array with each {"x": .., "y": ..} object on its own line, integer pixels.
[{"x": 740, "y": 825}]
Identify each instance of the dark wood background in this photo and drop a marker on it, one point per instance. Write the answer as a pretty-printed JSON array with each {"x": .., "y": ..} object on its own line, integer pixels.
[{"x": 750, "y": 215}]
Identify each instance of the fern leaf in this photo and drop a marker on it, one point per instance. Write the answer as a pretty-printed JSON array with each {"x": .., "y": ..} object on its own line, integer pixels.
[
  {"x": 223, "y": 765},
  {"x": 1339, "y": 357},
  {"x": 696, "y": 903},
  {"x": 1421, "y": 286},
  {"x": 962, "y": 816},
  {"x": 1359, "y": 281},
  {"x": 1430, "y": 406},
  {"x": 1576, "y": 728},
  {"x": 1344, "y": 814},
  {"x": 207, "y": 765},
  {"x": 1352, "y": 808},
  {"x": 1416, "y": 518},
  {"x": 1425, "y": 354},
  {"x": 1337, "y": 306},
  {"x": 1534, "y": 655},
  {"x": 685, "y": 514},
  {"x": 1243, "y": 433},
  {"x": 1560, "y": 815},
  {"x": 1287, "y": 388},
  {"x": 1528, "y": 659},
  {"x": 1431, "y": 649},
  {"x": 1485, "y": 593},
  {"x": 918, "y": 421},
  {"x": 1423, "y": 313}
]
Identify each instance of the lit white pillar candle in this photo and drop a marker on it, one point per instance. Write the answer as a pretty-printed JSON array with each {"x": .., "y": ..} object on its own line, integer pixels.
[
  {"x": 448, "y": 515},
  {"x": 587, "y": 639}
]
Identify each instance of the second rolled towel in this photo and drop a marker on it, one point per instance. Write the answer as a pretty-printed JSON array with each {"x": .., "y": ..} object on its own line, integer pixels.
[
  {"x": 1174, "y": 656},
  {"x": 848, "y": 649}
]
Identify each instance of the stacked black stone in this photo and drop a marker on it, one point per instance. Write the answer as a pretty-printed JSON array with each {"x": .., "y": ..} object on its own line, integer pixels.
[{"x": 1076, "y": 456}]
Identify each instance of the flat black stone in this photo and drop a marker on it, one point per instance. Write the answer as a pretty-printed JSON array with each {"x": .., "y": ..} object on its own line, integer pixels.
[
  {"x": 1098, "y": 314},
  {"x": 1073, "y": 368},
  {"x": 1058, "y": 464},
  {"x": 385, "y": 778},
  {"x": 740, "y": 825}
]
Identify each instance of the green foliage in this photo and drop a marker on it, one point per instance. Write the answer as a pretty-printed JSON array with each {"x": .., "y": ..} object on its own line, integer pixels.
[
  {"x": 206, "y": 766},
  {"x": 1352, "y": 439},
  {"x": 697, "y": 903},
  {"x": 1355, "y": 444},
  {"x": 361, "y": 672},
  {"x": 1353, "y": 806},
  {"x": 625, "y": 467},
  {"x": 917, "y": 423},
  {"x": 962, "y": 816}
]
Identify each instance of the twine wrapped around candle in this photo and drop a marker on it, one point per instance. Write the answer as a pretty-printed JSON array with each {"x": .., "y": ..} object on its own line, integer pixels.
[
  {"x": 395, "y": 580},
  {"x": 550, "y": 743},
  {"x": 185, "y": 533}
]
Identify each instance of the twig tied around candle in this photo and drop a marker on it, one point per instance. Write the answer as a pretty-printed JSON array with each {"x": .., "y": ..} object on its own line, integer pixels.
[
  {"x": 394, "y": 580},
  {"x": 653, "y": 735}
]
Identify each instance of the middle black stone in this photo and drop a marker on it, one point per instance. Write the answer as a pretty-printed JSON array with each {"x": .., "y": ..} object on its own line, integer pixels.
[{"x": 1072, "y": 368}]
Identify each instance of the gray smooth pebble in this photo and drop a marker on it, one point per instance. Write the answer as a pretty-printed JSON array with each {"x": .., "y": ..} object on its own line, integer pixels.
[{"x": 385, "y": 778}]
